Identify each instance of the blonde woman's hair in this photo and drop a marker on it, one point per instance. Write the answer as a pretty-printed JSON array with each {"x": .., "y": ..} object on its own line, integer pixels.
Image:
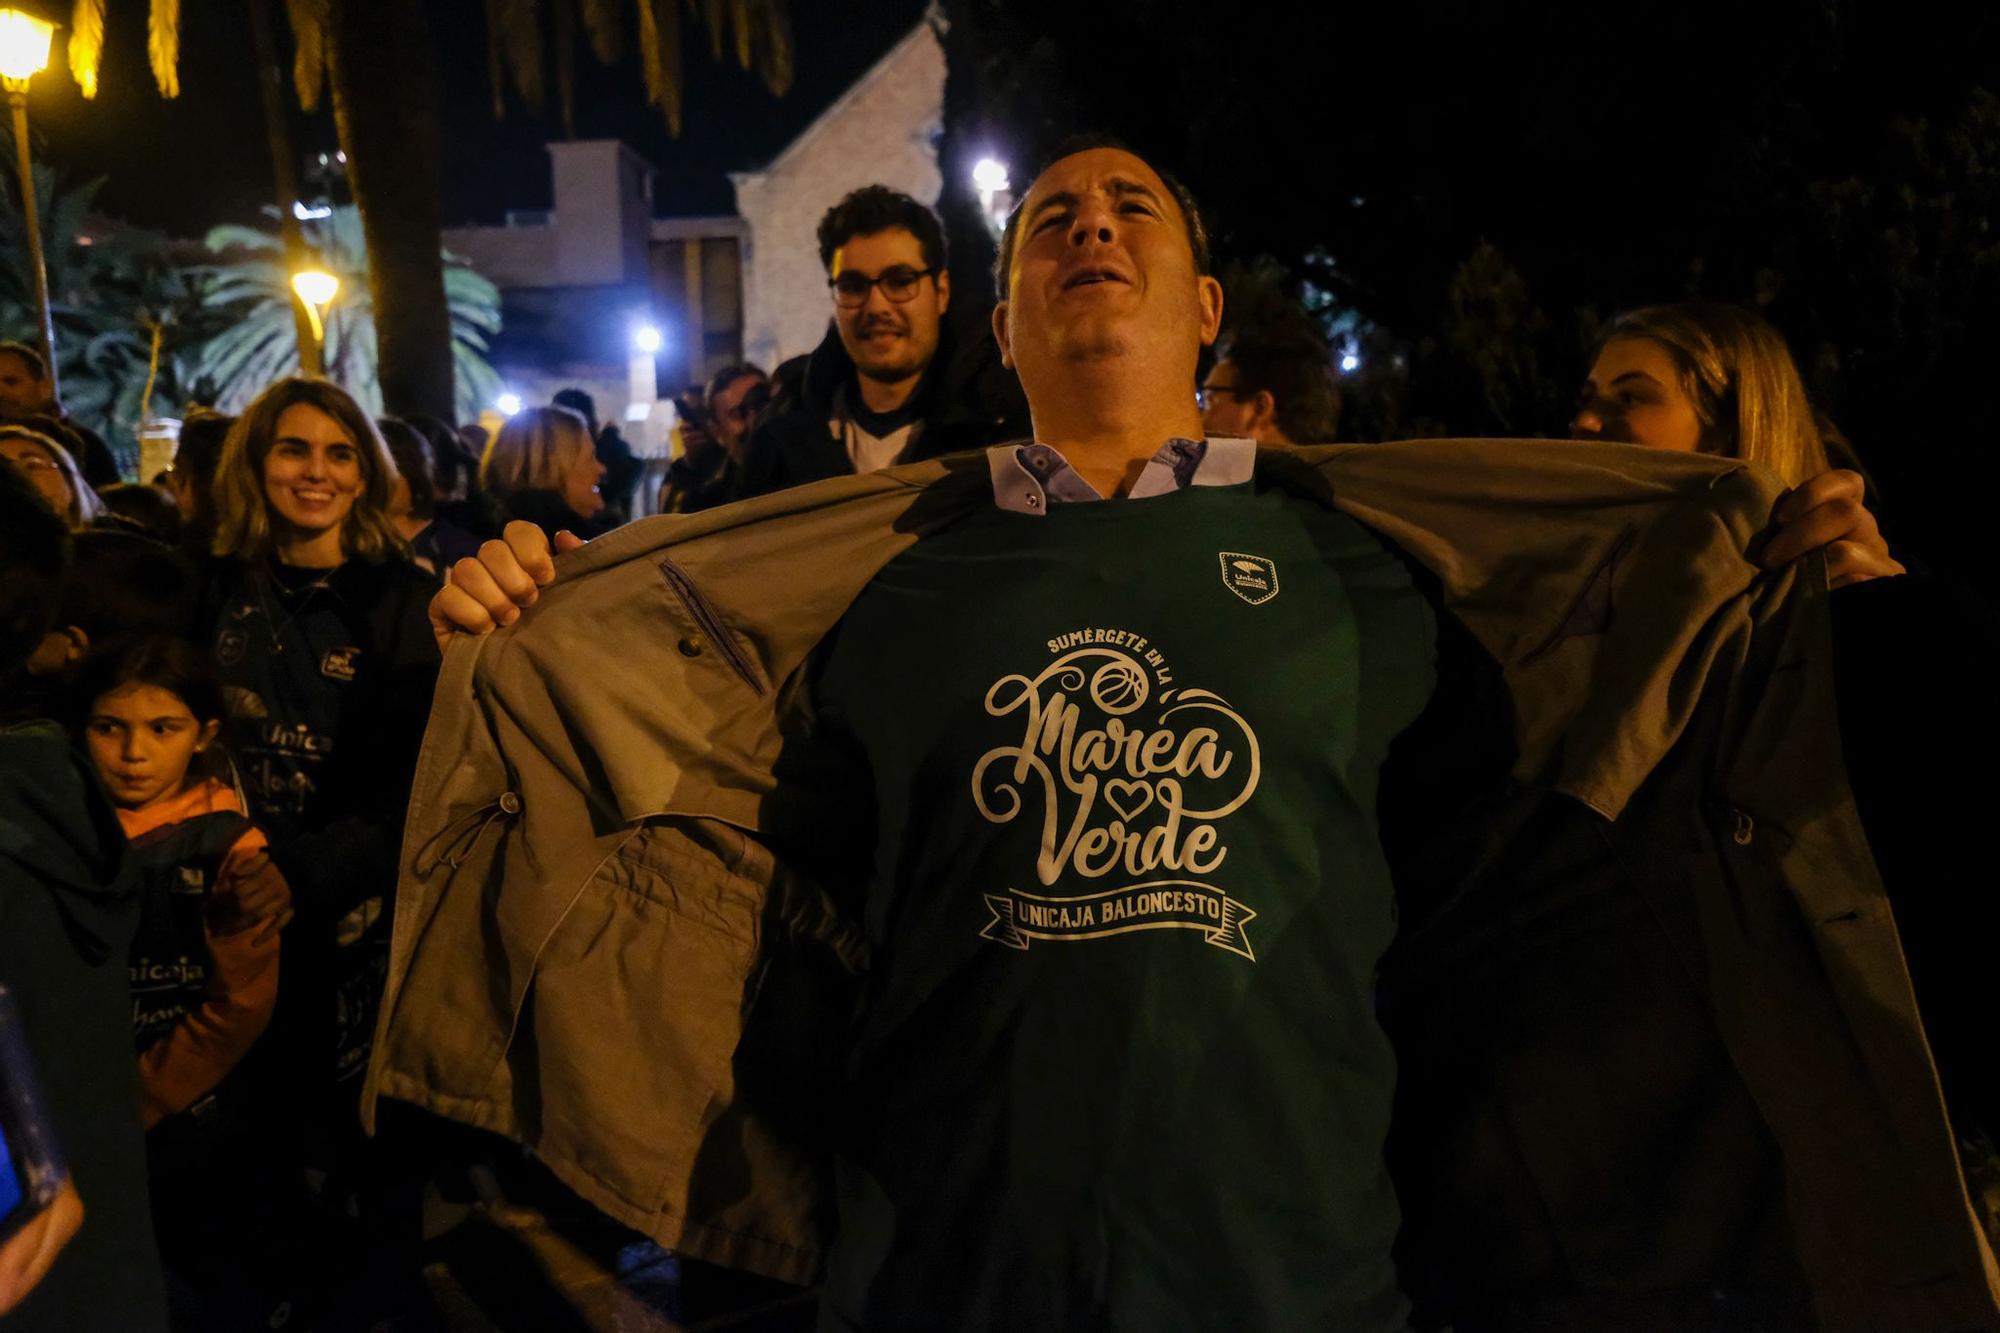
[
  {"x": 1740, "y": 377},
  {"x": 534, "y": 451},
  {"x": 85, "y": 505},
  {"x": 243, "y": 525}
]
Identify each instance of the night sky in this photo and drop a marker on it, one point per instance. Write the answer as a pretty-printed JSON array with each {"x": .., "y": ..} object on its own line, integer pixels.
[{"x": 186, "y": 165}]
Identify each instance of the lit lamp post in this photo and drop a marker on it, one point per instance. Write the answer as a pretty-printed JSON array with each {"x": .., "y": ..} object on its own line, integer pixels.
[
  {"x": 316, "y": 289},
  {"x": 995, "y": 191},
  {"x": 24, "y": 53}
]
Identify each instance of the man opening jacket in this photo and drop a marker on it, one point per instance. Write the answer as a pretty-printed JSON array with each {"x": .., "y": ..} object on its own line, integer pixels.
[{"x": 598, "y": 954}]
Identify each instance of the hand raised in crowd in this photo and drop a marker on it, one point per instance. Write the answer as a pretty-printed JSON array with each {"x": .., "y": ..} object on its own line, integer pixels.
[
  {"x": 487, "y": 592},
  {"x": 1827, "y": 511},
  {"x": 26, "y": 1255},
  {"x": 249, "y": 891}
]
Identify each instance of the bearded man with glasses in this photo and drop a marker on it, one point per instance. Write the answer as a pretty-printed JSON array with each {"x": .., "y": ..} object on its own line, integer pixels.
[{"x": 890, "y": 383}]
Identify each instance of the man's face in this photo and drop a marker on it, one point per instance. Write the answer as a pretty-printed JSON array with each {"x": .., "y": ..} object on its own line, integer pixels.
[
  {"x": 890, "y": 340},
  {"x": 1103, "y": 269},
  {"x": 732, "y": 411},
  {"x": 21, "y": 394},
  {"x": 1228, "y": 410}
]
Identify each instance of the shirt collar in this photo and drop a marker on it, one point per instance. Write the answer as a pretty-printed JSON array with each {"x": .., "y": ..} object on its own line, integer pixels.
[{"x": 1028, "y": 478}]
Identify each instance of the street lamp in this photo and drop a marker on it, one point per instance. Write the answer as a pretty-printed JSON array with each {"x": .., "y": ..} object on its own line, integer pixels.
[
  {"x": 315, "y": 289},
  {"x": 995, "y": 191},
  {"x": 24, "y": 53}
]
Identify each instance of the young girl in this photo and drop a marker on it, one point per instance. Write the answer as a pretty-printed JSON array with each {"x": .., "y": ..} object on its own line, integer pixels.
[{"x": 204, "y": 962}]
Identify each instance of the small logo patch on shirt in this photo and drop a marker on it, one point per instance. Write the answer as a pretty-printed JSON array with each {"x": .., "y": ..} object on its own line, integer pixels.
[
  {"x": 1254, "y": 578},
  {"x": 339, "y": 664}
]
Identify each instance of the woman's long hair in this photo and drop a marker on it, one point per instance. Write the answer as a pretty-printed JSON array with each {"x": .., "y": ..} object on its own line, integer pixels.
[
  {"x": 243, "y": 525},
  {"x": 1740, "y": 377},
  {"x": 85, "y": 506},
  {"x": 535, "y": 450}
]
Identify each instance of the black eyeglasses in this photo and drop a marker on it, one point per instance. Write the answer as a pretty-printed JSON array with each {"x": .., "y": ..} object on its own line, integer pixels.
[
  {"x": 1204, "y": 396},
  {"x": 899, "y": 284}
]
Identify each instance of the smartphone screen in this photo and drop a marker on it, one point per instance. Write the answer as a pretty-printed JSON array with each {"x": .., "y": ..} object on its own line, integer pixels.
[{"x": 13, "y": 1189}]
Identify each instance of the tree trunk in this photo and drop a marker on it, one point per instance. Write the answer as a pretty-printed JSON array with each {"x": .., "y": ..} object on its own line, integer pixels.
[
  {"x": 284, "y": 173},
  {"x": 386, "y": 107}
]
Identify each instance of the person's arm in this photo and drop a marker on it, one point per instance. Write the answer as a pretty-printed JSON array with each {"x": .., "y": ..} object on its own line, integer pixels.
[
  {"x": 201, "y": 1049},
  {"x": 26, "y": 1255}
]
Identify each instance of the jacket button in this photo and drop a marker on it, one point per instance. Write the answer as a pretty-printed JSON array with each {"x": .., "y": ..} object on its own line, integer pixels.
[{"x": 690, "y": 647}]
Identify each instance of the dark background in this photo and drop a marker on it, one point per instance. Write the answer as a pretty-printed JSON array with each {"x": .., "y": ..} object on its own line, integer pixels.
[{"x": 1464, "y": 191}]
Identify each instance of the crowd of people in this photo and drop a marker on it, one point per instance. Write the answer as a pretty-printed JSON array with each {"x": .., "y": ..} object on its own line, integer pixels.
[{"x": 218, "y": 684}]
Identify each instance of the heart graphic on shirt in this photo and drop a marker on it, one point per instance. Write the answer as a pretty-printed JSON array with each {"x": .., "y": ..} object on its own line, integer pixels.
[{"x": 1128, "y": 798}]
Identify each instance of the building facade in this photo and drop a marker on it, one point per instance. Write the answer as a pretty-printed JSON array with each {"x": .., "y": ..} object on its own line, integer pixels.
[{"x": 582, "y": 281}]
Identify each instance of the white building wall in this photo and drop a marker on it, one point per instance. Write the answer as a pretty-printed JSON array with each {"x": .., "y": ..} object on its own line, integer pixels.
[{"x": 882, "y": 131}]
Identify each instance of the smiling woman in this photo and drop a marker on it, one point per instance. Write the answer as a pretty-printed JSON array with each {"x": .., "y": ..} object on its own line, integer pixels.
[{"x": 315, "y": 617}]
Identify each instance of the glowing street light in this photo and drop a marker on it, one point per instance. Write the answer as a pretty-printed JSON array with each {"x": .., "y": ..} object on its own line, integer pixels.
[
  {"x": 315, "y": 288},
  {"x": 995, "y": 190},
  {"x": 1349, "y": 363},
  {"x": 24, "y": 53},
  {"x": 989, "y": 176},
  {"x": 508, "y": 403},
  {"x": 646, "y": 338}
]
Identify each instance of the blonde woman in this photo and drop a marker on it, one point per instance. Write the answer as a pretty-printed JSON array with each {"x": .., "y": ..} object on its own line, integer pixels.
[
  {"x": 543, "y": 467},
  {"x": 1711, "y": 378},
  {"x": 315, "y": 617},
  {"x": 53, "y": 473}
]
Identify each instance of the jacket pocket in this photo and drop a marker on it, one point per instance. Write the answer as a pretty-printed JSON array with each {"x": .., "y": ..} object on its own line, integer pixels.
[
  {"x": 714, "y": 633},
  {"x": 622, "y": 1049}
]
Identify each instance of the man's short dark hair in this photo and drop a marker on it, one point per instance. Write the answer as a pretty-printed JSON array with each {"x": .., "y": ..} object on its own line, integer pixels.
[
  {"x": 719, "y": 382},
  {"x": 123, "y": 586},
  {"x": 411, "y": 449},
  {"x": 1197, "y": 228},
  {"x": 1292, "y": 362},
  {"x": 34, "y": 557},
  {"x": 580, "y": 402},
  {"x": 33, "y": 358},
  {"x": 874, "y": 209}
]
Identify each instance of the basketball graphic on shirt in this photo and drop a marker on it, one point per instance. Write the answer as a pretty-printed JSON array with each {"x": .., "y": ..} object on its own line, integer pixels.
[
  {"x": 1132, "y": 778},
  {"x": 1119, "y": 687}
]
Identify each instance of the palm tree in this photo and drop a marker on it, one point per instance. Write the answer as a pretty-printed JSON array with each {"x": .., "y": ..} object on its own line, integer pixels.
[
  {"x": 374, "y": 57},
  {"x": 251, "y": 287},
  {"x": 108, "y": 292}
]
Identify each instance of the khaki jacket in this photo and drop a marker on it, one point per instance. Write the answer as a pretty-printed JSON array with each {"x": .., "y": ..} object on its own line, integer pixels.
[{"x": 599, "y": 954}]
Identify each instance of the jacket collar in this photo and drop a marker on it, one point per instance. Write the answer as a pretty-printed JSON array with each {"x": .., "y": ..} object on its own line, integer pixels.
[{"x": 1520, "y": 534}]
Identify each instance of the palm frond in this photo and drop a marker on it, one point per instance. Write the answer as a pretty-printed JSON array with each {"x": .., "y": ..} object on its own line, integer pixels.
[
  {"x": 746, "y": 22},
  {"x": 496, "y": 56},
  {"x": 564, "y": 13},
  {"x": 308, "y": 19},
  {"x": 250, "y": 286},
  {"x": 777, "y": 58},
  {"x": 163, "y": 45},
  {"x": 521, "y": 32},
  {"x": 86, "y": 44},
  {"x": 715, "y": 17},
  {"x": 600, "y": 22},
  {"x": 660, "y": 52}
]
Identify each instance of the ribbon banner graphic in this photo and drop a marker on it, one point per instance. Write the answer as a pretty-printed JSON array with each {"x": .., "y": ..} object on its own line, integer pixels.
[{"x": 1163, "y": 905}]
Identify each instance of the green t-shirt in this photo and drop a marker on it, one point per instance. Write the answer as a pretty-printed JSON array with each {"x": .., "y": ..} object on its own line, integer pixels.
[{"x": 1119, "y": 1064}]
